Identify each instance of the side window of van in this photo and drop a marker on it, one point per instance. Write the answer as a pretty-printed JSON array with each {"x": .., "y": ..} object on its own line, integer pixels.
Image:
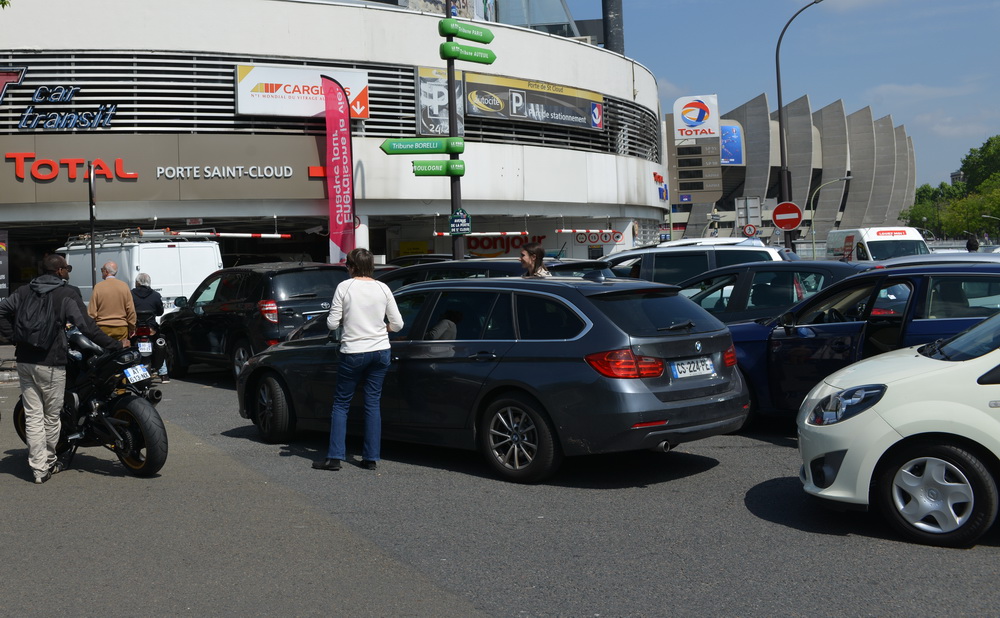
[{"x": 728, "y": 258}]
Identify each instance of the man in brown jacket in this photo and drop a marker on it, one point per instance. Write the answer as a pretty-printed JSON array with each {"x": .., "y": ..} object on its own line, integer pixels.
[{"x": 111, "y": 305}]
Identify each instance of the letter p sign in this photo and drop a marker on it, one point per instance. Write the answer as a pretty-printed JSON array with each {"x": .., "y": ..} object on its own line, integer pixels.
[{"x": 518, "y": 103}]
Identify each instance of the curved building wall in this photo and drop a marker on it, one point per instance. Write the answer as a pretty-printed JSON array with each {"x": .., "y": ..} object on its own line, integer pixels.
[
  {"x": 885, "y": 173},
  {"x": 861, "y": 138},
  {"x": 170, "y": 71},
  {"x": 832, "y": 124}
]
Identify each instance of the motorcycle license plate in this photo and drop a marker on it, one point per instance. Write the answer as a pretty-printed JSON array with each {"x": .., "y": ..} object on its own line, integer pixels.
[
  {"x": 138, "y": 373},
  {"x": 146, "y": 347}
]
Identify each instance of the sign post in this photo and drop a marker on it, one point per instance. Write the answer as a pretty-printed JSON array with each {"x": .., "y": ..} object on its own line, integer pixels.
[{"x": 450, "y": 51}]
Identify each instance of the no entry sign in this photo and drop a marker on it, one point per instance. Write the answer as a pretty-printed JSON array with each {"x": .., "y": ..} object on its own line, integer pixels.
[{"x": 787, "y": 216}]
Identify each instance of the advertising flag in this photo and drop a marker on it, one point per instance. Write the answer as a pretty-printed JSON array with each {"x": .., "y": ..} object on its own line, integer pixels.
[{"x": 339, "y": 170}]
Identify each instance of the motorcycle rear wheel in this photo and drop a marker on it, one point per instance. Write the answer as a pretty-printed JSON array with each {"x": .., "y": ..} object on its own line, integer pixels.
[{"x": 143, "y": 449}]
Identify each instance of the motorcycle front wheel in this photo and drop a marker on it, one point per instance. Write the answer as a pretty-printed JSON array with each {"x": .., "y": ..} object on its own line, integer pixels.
[{"x": 143, "y": 447}]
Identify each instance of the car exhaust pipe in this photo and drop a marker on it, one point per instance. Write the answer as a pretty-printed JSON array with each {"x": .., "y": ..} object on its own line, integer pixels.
[
  {"x": 154, "y": 396},
  {"x": 662, "y": 447}
]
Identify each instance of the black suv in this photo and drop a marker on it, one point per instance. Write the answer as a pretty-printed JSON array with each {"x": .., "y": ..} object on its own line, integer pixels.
[{"x": 239, "y": 311}]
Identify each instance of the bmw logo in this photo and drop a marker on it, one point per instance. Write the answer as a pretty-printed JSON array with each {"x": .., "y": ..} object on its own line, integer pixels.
[{"x": 697, "y": 346}]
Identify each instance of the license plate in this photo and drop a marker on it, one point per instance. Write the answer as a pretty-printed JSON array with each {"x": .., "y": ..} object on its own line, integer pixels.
[
  {"x": 694, "y": 367},
  {"x": 136, "y": 373},
  {"x": 146, "y": 347}
]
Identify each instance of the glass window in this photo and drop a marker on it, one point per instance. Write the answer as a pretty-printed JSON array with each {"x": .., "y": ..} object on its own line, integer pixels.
[
  {"x": 670, "y": 267},
  {"x": 962, "y": 297},
  {"x": 654, "y": 313},
  {"x": 844, "y": 306},
  {"x": 885, "y": 249},
  {"x": 742, "y": 256},
  {"x": 409, "y": 308},
  {"x": 540, "y": 317},
  {"x": 500, "y": 326},
  {"x": 307, "y": 283},
  {"x": 398, "y": 280},
  {"x": 207, "y": 292},
  {"x": 460, "y": 315},
  {"x": 712, "y": 294},
  {"x": 312, "y": 329},
  {"x": 626, "y": 266},
  {"x": 783, "y": 288}
]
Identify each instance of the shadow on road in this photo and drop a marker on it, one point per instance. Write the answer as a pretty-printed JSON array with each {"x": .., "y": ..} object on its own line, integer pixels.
[{"x": 782, "y": 501}]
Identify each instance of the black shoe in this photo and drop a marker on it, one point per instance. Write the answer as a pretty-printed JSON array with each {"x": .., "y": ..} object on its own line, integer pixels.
[
  {"x": 41, "y": 479},
  {"x": 327, "y": 464},
  {"x": 369, "y": 465},
  {"x": 57, "y": 467}
]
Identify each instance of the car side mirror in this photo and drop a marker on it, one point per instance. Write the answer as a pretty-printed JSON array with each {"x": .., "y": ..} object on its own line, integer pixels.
[
  {"x": 787, "y": 320},
  {"x": 180, "y": 302},
  {"x": 990, "y": 377}
]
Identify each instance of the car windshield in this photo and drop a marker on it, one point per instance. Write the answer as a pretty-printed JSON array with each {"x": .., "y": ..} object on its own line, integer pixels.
[
  {"x": 974, "y": 342},
  {"x": 648, "y": 313}
]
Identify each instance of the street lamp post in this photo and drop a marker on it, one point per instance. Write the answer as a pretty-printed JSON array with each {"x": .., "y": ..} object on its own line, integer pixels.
[
  {"x": 783, "y": 171},
  {"x": 812, "y": 210}
]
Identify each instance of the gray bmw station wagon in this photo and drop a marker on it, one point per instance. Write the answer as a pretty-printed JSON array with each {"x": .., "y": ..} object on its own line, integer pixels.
[{"x": 533, "y": 370}]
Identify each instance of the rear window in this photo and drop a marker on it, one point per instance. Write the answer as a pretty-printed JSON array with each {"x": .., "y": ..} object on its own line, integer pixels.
[
  {"x": 306, "y": 283},
  {"x": 650, "y": 313}
]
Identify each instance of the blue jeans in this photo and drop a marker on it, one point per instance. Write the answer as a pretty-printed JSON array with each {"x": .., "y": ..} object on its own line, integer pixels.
[{"x": 370, "y": 367}]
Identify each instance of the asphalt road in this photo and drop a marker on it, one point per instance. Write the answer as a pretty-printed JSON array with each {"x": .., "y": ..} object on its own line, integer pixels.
[{"x": 236, "y": 526}]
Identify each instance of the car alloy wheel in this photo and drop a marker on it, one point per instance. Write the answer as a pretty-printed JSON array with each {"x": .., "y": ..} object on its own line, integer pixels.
[{"x": 518, "y": 441}]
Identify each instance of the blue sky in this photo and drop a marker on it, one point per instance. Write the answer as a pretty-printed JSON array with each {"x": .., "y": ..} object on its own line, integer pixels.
[{"x": 933, "y": 65}]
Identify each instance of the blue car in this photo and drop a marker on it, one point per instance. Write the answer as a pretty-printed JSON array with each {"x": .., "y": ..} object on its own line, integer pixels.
[{"x": 880, "y": 310}]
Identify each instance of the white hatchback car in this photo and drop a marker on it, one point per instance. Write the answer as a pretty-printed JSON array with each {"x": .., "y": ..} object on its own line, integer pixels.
[{"x": 914, "y": 433}]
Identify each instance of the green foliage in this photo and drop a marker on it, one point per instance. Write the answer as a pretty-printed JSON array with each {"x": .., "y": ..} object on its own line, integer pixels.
[
  {"x": 981, "y": 163},
  {"x": 952, "y": 210},
  {"x": 4, "y": 4}
]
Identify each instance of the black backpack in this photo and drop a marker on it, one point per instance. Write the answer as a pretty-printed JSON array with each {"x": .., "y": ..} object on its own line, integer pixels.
[{"x": 35, "y": 323}]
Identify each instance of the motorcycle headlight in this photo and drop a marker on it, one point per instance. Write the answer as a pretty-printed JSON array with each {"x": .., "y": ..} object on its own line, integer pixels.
[{"x": 844, "y": 404}]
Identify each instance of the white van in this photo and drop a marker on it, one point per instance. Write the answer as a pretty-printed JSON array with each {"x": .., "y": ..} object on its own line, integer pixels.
[
  {"x": 175, "y": 265},
  {"x": 874, "y": 243}
]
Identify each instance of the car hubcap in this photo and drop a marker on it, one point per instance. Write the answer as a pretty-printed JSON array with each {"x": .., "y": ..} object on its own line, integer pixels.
[
  {"x": 264, "y": 406},
  {"x": 933, "y": 495},
  {"x": 513, "y": 438},
  {"x": 240, "y": 358}
]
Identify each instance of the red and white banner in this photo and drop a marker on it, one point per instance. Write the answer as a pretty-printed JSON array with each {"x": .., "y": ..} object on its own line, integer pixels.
[{"x": 339, "y": 170}]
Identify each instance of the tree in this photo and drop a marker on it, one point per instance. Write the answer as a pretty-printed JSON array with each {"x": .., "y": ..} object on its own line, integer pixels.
[
  {"x": 4, "y": 4},
  {"x": 981, "y": 163}
]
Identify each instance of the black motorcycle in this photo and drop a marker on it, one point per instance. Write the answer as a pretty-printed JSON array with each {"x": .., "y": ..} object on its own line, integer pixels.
[
  {"x": 109, "y": 402},
  {"x": 148, "y": 341}
]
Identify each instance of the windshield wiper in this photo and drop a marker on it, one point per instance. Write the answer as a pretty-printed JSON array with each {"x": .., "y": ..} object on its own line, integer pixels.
[{"x": 678, "y": 326}]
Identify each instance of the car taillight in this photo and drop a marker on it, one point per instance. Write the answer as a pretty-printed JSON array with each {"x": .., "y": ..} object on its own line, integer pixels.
[
  {"x": 624, "y": 364},
  {"x": 729, "y": 356},
  {"x": 268, "y": 309},
  {"x": 143, "y": 331}
]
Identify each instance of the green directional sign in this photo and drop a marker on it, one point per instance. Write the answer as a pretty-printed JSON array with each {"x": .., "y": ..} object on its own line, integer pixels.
[
  {"x": 447, "y": 167},
  {"x": 468, "y": 53},
  {"x": 424, "y": 145},
  {"x": 469, "y": 32}
]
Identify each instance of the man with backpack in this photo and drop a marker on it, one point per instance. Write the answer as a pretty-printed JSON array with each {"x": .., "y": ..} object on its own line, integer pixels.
[{"x": 34, "y": 317}]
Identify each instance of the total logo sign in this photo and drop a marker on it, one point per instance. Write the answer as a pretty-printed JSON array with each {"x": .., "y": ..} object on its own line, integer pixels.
[{"x": 696, "y": 116}]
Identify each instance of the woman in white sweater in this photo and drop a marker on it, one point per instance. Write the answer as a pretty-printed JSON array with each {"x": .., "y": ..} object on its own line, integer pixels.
[{"x": 367, "y": 311}]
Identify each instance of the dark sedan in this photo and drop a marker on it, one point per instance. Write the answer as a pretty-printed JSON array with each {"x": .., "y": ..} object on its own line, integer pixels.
[
  {"x": 539, "y": 369},
  {"x": 873, "y": 312},
  {"x": 763, "y": 289}
]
